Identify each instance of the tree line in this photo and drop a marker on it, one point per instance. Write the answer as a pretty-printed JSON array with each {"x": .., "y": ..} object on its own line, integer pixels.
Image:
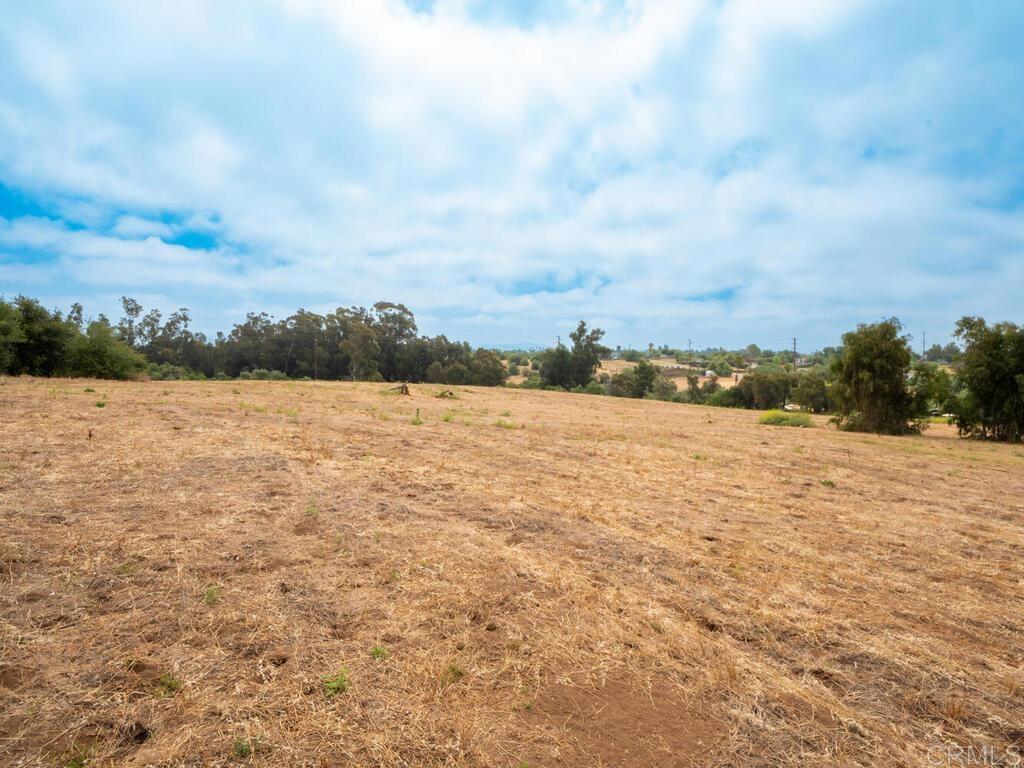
[
  {"x": 872, "y": 383},
  {"x": 354, "y": 343}
]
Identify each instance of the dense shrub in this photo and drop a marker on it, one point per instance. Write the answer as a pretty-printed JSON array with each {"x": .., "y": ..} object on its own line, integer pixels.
[
  {"x": 99, "y": 354},
  {"x": 663, "y": 389},
  {"x": 168, "y": 372},
  {"x": 728, "y": 398},
  {"x": 262, "y": 374},
  {"x": 778, "y": 418}
]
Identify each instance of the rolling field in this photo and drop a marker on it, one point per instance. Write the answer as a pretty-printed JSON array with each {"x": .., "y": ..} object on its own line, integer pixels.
[{"x": 511, "y": 578}]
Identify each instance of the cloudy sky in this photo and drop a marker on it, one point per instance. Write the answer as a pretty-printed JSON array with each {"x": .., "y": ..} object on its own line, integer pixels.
[{"x": 729, "y": 171}]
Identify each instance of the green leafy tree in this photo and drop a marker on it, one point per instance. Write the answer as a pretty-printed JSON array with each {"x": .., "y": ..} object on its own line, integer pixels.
[
  {"x": 486, "y": 369},
  {"x": 811, "y": 392},
  {"x": 586, "y": 353},
  {"x": 871, "y": 381},
  {"x": 128, "y": 326},
  {"x": 557, "y": 368},
  {"x": 100, "y": 354},
  {"x": 10, "y": 336},
  {"x": 360, "y": 344},
  {"x": 45, "y": 336},
  {"x": 991, "y": 373},
  {"x": 634, "y": 382}
]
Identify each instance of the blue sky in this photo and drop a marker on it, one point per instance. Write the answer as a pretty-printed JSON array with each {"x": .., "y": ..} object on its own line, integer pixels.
[{"x": 728, "y": 171}]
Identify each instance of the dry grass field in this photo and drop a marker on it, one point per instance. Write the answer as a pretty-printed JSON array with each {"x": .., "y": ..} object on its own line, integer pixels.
[{"x": 514, "y": 578}]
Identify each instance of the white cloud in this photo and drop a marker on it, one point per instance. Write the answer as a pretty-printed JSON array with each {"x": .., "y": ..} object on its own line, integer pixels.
[{"x": 638, "y": 155}]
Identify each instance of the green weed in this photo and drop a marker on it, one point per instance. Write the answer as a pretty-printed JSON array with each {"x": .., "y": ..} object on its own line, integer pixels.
[
  {"x": 335, "y": 684},
  {"x": 243, "y": 748},
  {"x": 167, "y": 685},
  {"x": 452, "y": 674}
]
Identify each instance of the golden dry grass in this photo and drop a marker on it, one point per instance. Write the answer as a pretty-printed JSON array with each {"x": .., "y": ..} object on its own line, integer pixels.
[{"x": 593, "y": 582}]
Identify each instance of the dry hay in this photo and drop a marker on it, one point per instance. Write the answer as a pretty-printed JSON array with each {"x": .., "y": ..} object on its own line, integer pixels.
[{"x": 552, "y": 579}]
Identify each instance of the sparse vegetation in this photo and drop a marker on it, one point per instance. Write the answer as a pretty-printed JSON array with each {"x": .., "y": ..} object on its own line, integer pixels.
[
  {"x": 167, "y": 685},
  {"x": 243, "y": 748},
  {"x": 462, "y": 586},
  {"x": 212, "y": 595},
  {"x": 452, "y": 674}
]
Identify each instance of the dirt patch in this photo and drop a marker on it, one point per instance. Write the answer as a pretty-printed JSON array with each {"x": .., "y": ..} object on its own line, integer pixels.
[{"x": 619, "y": 722}]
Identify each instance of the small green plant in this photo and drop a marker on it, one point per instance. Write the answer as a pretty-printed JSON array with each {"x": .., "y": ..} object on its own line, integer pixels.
[
  {"x": 89, "y": 389},
  {"x": 504, "y": 424},
  {"x": 446, "y": 418},
  {"x": 416, "y": 421},
  {"x": 100, "y": 404},
  {"x": 245, "y": 747},
  {"x": 379, "y": 652},
  {"x": 829, "y": 483},
  {"x": 167, "y": 685},
  {"x": 778, "y": 418},
  {"x": 335, "y": 684},
  {"x": 212, "y": 595},
  {"x": 699, "y": 457},
  {"x": 506, "y": 413},
  {"x": 452, "y": 674}
]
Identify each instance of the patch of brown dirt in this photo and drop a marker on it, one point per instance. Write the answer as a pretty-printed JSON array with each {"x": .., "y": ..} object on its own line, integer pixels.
[{"x": 619, "y": 723}]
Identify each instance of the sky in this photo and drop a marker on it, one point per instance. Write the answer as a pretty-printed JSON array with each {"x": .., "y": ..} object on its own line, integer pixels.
[{"x": 725, "y": 171}]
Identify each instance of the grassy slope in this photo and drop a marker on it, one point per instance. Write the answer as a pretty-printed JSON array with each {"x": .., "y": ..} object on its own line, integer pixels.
[{"x": 607, "y": 582}]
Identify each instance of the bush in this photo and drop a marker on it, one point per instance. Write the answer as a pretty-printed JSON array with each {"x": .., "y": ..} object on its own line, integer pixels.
[
  {"x": 593, "y": 388},
  {"x": 783, "y": 419},
  {"x": 728, "y": 398},
  {"x": 168, "y": 372},
  {"x": 262, "y": 374},
  {"x": 663, "y": 389},
  {"x": 99, "y": 354}
]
